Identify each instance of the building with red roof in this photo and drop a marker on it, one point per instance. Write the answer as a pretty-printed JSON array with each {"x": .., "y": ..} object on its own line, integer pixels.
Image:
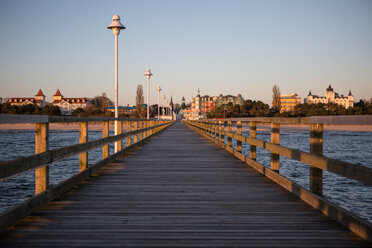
[
  {"x": 67, "y": 105},
  {"x": 39, "y": 100}
]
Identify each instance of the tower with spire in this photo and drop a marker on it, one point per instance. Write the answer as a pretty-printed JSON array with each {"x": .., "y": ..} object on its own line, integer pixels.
[
  {"x": 171, "y": 103},
  {"x": 57, "y": 97},
  {"x": 40, "y": 98},
  {"x": 183, "y": 103}
]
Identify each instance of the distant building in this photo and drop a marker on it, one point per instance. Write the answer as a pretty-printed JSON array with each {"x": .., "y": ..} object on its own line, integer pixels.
[
  {"x": 190, "y": 114},
  {"x": 235, "y": 100},
  {"x": 331, "y": 96},
  {"x": 67, "y": 105},
  {"x": 207, "y": 103},
  {"x": 201, "y": 105},
  {"x": 39, "y": 100},
  {"x": 123, "y": 109},
  {"x": 288, "y": 102}
]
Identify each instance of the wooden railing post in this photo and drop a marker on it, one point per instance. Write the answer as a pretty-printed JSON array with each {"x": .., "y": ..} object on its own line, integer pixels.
[
  {"x": 229, "y": 131},
  {"x": 149, "y": 126},
  {"x": 208, "y": 128},
  {"x": 41, "y": 145},
  {"x": 239, "y": 132},
  {"x": 217, "y": 130},
  {"x": 206, "y": 125},
  {"x": 275, "y": 139},
  {"x": 135, "y": 128},
  {"x": 212, "y": 129},
  {"x": 222, "y": 131},
  {"x": 213, "y": 126},
  {"x": 141, "y": 125},
  {"x": 105, "y": 133},
  {"x": 316, "y": 147},
  {"x": 152, "y": 124},
  {"x": 253, "y": 134},
  {"x": 83, "y": 138},
  {"x": 119, "y": 143},
  {"x": 146, "y": 132},
  {"x": 129, "y": 128}
]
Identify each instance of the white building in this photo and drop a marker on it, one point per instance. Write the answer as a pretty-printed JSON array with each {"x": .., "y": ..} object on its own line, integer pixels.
[
  {"x": 331, "y": 96},
  {"x": 39, "y": 100},
  {"x": 67, "y": 105}
]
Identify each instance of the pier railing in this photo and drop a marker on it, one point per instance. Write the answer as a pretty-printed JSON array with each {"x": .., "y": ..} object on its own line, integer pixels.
[
  {"x": 221, "y": 133},
  {"x": 137, "y": 131}
]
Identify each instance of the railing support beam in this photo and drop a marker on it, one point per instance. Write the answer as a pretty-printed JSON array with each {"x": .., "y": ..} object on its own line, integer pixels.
[
  {"x": 223, "y": 123},
  {"x": 83, "y": 138},
  {"x": 119, "y": 143},
  {"x": 253, "y": 135},
  {"x": 105, "y": 133},
  {"x": 275, "y": 139},
  {"x": 135, "y": 128},
  {"x": 41, "y": 145},
  {"x": 239, "y": 132},
  {"x": 229, "y": 130},
  {"x": 316, "y": 147},
  {"x": 218, "y": 130},
  {"x": 129, "y": 128}
]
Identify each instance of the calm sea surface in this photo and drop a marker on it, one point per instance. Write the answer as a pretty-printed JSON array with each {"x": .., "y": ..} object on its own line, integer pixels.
[{"x": 354, "y": 147}]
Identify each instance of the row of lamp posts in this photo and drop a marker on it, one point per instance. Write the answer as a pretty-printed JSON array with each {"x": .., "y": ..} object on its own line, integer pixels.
[
  {"x": 116, "y": 26},
  {"x": 167, "y": 111}
]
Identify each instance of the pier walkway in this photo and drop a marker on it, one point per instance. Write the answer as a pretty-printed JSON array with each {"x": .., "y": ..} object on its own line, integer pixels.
[{"x": 178, "y": 190}]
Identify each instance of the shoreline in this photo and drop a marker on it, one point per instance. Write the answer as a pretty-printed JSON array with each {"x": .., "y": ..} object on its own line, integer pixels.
[{"x": 262, "y": 127}]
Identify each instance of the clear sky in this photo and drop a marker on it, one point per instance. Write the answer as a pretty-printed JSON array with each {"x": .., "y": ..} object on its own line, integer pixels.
[{"x": 226, "y": 47}]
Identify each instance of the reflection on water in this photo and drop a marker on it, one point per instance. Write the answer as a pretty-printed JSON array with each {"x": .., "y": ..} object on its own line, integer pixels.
[{"x": 353, "y": 147}]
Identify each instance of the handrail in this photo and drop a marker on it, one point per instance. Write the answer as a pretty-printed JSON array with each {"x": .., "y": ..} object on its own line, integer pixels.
[
  {"x": 334, "y": 120},
  {"x": 142, "y": 130},
  {"x": 40, "y": 159},
  {"x": 341, "y": 168},
  {"x": 15, "y": 118},
  {"x": 216, "y": 131},
  {"x": 12, "y": 167}
]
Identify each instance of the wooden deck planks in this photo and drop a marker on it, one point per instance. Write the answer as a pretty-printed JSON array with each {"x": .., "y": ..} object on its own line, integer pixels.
[{"x": 178, "y": 190}]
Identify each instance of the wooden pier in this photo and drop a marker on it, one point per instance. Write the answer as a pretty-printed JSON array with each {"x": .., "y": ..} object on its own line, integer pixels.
[{"x": 178, "y": 190}]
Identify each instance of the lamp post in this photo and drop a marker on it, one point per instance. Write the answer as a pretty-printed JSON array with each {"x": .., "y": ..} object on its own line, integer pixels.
[
  {"x": 163, "y": 105},
  {"x": 166, "y": 107},
  {"x": 148, "y": 74},
  {"x": 116, "y": 26},
  {"x": 158, "y": 90}
]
